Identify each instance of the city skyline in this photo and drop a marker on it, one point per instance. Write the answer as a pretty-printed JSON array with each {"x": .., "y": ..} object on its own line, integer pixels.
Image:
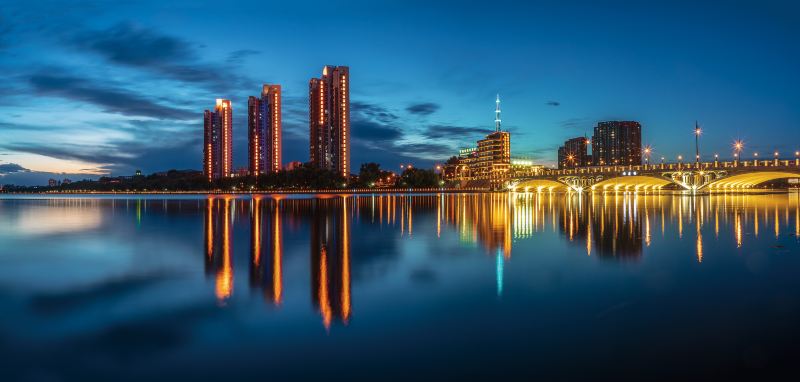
[{"x": 121, "y": 92}]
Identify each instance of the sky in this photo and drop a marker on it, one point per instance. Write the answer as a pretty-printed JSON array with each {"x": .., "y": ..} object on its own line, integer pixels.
[{"x": 94, "y": 88}]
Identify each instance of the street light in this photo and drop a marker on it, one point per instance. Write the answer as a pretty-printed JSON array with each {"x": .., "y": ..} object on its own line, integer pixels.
[
  {"x": 697, "y": 132},
  {"x": 647, "y": 151}
]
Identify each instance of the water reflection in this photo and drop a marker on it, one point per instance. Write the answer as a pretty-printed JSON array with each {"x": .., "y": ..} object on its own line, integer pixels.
[{"x": 618, "y": 227}]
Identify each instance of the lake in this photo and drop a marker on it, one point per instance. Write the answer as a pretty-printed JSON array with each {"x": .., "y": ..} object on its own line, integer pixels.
[{"x": 423, "y": 286}]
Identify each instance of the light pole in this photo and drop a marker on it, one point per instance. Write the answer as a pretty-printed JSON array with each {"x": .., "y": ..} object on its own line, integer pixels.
[
  {"x": 696, "y": 143},
  {"x": 737, "y": 149},
  {"x": 647, "y": 151}
]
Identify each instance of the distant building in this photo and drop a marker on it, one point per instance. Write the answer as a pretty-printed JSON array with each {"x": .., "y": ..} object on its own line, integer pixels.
[
  {"x": 264, "y": 131},
  {"x": 218, "y": 141},
  {"x": 138, "y": 172},
  {"x": 329, "y": 119},
  {"x": 66, "y": 181},
  {"x": 52, "y": 183},
  {"x": 617, "y": 143},
  {"x": 574, "y": 153},
  {"x": 488, "y": 164},
  {"x": 293, "y": 165},
  {"x": 521, "y": 167}
]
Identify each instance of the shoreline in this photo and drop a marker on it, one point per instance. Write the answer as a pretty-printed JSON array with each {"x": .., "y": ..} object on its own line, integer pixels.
[{"x": 387, "y": 191}]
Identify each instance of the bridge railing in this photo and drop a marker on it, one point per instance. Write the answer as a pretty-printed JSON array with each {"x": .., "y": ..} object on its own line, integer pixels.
[{"x": 680, "y": 166}]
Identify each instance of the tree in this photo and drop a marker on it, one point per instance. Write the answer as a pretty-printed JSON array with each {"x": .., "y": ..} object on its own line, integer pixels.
[
  {"x": 370, "y": 173},
  {"x": 418, "y": 178}
]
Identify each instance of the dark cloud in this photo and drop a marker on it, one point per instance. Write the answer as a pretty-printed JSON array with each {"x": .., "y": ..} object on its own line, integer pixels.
[
  {"x": 425, "y": 108},
  {"x": 576, "y": 123},
  {"x": 111, "y": 99},
  {"x": 10, "y": 168},
  {"x": 128, "y": 44},
  {"x": 372, "y": 111},
  {"x": 136, "y": 46},
  {"x": 237, "y": 57},
  {"x": 372, "y": 131},
  {"x": 425, "y": 149},
  {"x": 553, "y": 103},
  {"x": 452, "y": 132}
]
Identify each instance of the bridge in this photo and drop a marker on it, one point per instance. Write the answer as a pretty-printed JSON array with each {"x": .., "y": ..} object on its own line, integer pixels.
[{"x": 700, "y": 176}]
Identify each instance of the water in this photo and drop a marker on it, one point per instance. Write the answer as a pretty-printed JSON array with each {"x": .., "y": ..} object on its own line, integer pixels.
[{"x": 389, "y": 287}]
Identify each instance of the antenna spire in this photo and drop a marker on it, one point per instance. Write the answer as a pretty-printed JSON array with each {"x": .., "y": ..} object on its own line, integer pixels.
[{"x": 497, "y": 115}]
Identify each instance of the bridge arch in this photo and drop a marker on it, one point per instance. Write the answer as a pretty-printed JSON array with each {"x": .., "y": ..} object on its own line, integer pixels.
[
  {"x": 748, "y": 180},
  {"x": 631, "y": 183},
  {"x": 540, "y": 185}
]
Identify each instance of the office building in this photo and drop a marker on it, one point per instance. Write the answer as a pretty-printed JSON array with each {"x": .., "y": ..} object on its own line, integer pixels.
[
  {"x": 264, "y": 131},
  {"x": 329, "y": 120}
]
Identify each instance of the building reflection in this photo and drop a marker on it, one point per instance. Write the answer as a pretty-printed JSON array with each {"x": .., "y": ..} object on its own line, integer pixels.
[
  {"x": 614, "y": 226},
  {"x": 218, "y": 259},
  {"x": 330, "y": 259},
  {"x": 266, "y": 249}
]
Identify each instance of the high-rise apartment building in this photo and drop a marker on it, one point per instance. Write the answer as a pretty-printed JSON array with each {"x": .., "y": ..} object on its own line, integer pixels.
[
  {"x": 264, "y": 131},
  {"x": 573, "y": 153},
  {"x": 617, "y": 143},
  {"x": 217, "y": 142},
  {"x": 329, "y": 119}
]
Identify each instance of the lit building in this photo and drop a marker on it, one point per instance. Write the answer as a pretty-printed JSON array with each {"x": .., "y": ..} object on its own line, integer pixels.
[
  {"x": 521, "y": 167},
  {"x": 617, "y": 143},
  {"x": 329, "y": 119},
  {"x": 217, "y": 142},
  {"x": 488, "y": 164},
  {"x": 264, "y": 131},
  {"x": 494, "y": 157},
  {"x": 574, "y": 153}
]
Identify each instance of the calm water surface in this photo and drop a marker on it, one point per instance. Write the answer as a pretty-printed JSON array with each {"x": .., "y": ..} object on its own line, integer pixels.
[{"x": 346, "y": 287}]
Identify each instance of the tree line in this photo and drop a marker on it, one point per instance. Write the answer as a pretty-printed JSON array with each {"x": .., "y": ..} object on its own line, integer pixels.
[{"x": 303, "y": 177}]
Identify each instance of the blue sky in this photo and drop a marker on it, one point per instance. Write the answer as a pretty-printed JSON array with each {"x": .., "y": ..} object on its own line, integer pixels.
[{"x": 102, "y": 87}]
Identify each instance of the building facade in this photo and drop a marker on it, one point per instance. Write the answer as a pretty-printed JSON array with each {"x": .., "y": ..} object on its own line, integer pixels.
[
  {"x": 329, "y": 119},
  {"x": 574, "y": 153},
  {"x": 494, "y": 157},
  {"x": 617, "y": 143},
  {"x": 217, "y": 142},
  {"x": 264, "y": 131}
]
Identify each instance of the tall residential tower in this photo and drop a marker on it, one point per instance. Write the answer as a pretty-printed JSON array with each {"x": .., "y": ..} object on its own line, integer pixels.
[
  {"x": 217, "y": 142},
  {"x": 264, "y": 131},
  {"x": 617, "y": 143},
  {"x": 329, "y": 119}
]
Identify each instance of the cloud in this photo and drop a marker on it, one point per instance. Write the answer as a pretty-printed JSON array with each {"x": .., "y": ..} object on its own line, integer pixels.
[
  {"x": 576, "y": 123},
  {"x": 372, "y": 111},
  {"x": 131, "y": 45},
  {"x": 237, "y": 57},
  {"x": 109, "y": 98},
  {"x": 428, "y": 150},
  {"x": 425, "y": 108},
  {"x": 10, "y": 168},
  {"x": 553, "y": 103},
  {"x": 452, "y": 132},
  {"x": 144, "y": 48},
  {"x": 372, "y": 131}
]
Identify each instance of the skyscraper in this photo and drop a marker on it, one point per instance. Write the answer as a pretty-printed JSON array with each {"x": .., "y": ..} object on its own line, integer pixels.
[
  {"x": 617, "y": 143},
  {"x": 329, "y": 119},
  {"x": 217, "y": 142},
  {"x": 264, "y": 131}
]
